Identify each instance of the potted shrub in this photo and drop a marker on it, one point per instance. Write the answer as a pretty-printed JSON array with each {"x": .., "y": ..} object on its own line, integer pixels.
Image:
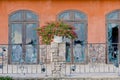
[{"x": 57, "y": 28}]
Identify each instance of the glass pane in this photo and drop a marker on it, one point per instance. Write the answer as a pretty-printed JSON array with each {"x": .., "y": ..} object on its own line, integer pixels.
[
  {"x": 16, "y": 33},
  {"x": 80, "y": 30},
  {"x": 68, "y": 52},
  {"x": 30, "y": 15},
  {"x": 31, "y": 41},
  {"x": 31, "y": 54},
  {"x": 65, "y": 16},
  {"x": 79, "y": 52},
  {"x": 113, "y": 15},
  {"x": 31, "y": 36},
  {"x": 16, "y": 16},
  {"x": 111, "y": 26},
  {"x": 79, "y": 44},
  {"x": 79, "y": 15},
  {"x": 16, "y": 53}
]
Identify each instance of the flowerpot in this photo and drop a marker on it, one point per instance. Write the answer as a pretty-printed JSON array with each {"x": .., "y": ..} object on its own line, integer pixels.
[{"x": 58, "y": 39}]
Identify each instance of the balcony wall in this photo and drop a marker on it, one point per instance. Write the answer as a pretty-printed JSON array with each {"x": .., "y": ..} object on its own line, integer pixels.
[{"x": 52, "y": 63}]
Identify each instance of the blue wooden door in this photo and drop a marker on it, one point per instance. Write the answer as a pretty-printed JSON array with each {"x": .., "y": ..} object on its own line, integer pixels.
[
  {"x": 75, "y": 50},
  {"x": 113, "y": 40},
  {"x": 77, "y": 53},
  {"x": 23, "y": 39},
  {"x": 113, "y": 36}
]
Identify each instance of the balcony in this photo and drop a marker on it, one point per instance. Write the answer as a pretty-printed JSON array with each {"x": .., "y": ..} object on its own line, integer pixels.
[{"x": 97, "y": 63}]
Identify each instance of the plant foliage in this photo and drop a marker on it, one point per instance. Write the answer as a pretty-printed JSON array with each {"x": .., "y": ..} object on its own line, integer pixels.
[
  {"x": 5, "y": 78},
  {"x": 57, "y": 28}
]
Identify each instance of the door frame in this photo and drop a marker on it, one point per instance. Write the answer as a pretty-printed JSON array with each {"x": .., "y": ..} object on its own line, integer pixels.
[{"x": 23, "y": 37}]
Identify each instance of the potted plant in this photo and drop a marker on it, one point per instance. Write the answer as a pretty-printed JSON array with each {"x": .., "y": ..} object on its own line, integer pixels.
[{"x": 57, "y": 28}]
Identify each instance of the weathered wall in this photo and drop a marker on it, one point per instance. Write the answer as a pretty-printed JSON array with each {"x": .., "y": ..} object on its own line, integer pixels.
[{"x": 47, "y": 10}]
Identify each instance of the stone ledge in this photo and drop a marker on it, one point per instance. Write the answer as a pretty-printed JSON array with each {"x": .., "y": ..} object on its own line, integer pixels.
[{"x": 67, "y": 79}]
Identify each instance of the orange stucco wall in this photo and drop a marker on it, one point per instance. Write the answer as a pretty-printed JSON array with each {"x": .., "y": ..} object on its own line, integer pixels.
[{"x": 47, "y": 10}]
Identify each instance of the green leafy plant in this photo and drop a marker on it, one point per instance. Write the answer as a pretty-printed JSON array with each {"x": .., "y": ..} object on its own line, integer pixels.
[
  {"x": 57, "y": 28},
  {"x": 5, "y": 78}
]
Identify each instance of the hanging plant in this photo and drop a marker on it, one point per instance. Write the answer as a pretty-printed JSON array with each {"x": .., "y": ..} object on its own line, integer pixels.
[{"x": 57, "y": 28}]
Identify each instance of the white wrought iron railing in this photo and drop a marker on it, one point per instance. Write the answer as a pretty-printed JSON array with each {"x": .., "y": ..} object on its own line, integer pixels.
[{"x": 99, "y": 59}]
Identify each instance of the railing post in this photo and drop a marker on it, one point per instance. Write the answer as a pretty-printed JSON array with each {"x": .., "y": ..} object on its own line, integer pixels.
[
  {"x": 118, "y": 64},
  {"x": 57, "y": 58}
]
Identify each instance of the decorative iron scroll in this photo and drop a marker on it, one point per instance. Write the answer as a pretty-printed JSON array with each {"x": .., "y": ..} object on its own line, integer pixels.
[{"x": 96, "y": 53}]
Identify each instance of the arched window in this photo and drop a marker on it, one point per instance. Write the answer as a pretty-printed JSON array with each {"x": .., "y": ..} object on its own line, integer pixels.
[
  {"x": 79, "y": 21},
  {"x": 113, "y": 34},
  {"x": 22, "y": 37}
]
